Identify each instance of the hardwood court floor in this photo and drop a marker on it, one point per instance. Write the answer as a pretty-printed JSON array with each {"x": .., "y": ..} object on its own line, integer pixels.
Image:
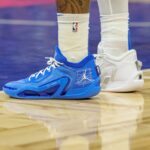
[{"x": 109, "y": 121}]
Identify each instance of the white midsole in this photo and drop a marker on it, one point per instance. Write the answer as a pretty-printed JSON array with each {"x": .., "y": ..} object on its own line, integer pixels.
[{"x": 124, "y": 86}]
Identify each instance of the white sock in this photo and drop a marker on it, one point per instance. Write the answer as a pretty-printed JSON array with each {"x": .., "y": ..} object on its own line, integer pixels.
[
  {"x": 73, "y": 32},
  {"x": 114, "y": 27}
]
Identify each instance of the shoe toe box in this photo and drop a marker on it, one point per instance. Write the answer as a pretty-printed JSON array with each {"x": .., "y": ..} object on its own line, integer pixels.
[{"x": 12, "y": 88}]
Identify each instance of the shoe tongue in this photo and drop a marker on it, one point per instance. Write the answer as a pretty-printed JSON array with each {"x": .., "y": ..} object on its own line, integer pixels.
[{"x": 59, "y": 56}]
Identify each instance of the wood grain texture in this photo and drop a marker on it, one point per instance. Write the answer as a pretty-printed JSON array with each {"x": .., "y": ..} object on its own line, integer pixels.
[
  {"x": 110, "y": 121},
  {"x": 73, "y": 6}
]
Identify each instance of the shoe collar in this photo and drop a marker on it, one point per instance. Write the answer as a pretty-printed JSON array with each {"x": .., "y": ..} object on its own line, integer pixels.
[{"x": 62, "y": 59}]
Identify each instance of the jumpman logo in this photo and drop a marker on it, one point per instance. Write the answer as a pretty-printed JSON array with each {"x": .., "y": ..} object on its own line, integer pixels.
[{"x": 84, "y": 77}]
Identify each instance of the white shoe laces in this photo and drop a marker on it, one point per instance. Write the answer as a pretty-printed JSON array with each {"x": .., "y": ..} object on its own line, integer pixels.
[
  {"x": 52, "y": 63},
  {"x": 99, "y": 59}
]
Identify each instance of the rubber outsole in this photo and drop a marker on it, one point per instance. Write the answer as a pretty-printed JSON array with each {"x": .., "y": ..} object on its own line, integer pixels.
[
  {"x": 129, "y": 86},
  {"x": 82, "y": 93}
]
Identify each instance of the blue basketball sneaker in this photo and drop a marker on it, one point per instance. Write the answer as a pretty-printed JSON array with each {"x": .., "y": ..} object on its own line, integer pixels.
[{"x": 59, "y": 80}]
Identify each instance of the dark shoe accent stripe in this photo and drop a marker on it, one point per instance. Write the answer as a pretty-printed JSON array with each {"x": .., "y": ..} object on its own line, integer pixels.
[{"x": 10, "y": 88}]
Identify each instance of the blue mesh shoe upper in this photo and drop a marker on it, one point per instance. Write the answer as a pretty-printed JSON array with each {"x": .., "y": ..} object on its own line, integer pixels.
[{"x": 59, "y": 80}]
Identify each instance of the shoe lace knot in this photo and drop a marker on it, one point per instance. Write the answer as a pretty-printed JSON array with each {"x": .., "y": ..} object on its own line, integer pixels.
[{"x": 52, "y": 63}]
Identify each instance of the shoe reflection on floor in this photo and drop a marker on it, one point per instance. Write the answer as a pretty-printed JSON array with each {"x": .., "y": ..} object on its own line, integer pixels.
[{"x": 107, "y": 122}]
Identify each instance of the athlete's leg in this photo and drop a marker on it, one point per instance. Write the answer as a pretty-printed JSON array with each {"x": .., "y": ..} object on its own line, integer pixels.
[
  {"x": 73, "y": 28},
  {"x": 120, "y": 70},
  {"x": 114, "y": 26},
  {"x": 62, "y": 79}
]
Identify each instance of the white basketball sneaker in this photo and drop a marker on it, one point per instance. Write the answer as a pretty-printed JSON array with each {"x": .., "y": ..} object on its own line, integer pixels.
[{"x": 120, "y": 74}]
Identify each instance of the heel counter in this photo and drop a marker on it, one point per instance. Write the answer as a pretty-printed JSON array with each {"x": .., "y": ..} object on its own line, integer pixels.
[{"x": 95, "y": 68}]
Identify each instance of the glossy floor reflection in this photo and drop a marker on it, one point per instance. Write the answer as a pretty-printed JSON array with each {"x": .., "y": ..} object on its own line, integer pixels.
[{"x": 110, "y": 121}]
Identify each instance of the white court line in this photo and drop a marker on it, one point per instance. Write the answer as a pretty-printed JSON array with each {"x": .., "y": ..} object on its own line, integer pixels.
[
  {"x": 140, "y": 1},
  {"x": 27, "y": 22},
  {"x": 140, "y": 24},
  {"x": 146, "y": 70},
  {"x": 146, "y": 77},
  {"x": 53, "y": 23}
]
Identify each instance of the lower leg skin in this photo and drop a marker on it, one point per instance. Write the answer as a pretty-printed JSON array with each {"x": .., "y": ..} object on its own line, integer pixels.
[
  {"x": 73, "y": 28},
  {"x": 114, "y": 26}
]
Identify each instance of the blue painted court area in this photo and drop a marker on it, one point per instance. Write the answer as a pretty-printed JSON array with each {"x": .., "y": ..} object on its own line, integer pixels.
[{"x": 26, "y": 37}]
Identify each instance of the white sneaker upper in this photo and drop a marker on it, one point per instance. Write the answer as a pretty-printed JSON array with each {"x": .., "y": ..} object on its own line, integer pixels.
[{"x": 120, "y": 74}]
